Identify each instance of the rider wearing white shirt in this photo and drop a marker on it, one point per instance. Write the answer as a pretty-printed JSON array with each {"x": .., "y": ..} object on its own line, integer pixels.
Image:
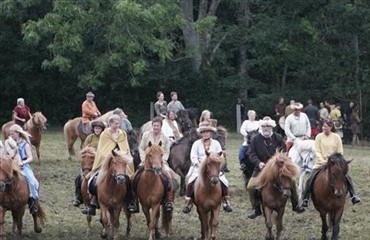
[{"x": 170, "y": 127}]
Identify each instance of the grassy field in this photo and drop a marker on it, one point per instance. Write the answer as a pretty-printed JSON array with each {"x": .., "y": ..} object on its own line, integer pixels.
[{"x": 66, "y": 222}]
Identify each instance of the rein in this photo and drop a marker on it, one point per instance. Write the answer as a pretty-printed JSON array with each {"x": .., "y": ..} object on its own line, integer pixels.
[
  {"x": 278, "y": 186},
  {"x": 6, "y": 183}
]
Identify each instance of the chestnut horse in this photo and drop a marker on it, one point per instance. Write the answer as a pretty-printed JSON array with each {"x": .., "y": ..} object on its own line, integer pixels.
[
  {"x": 87, "y": 161},
  {"x": 275, "y": 182},
  {"x": 33, "y": 126},
  {"x": 179, "y": 158},
  {"x": 14, "y": 195},
  {"x": 208, "y": 194},
  {"x": 329, "y": 193},
  {"x": 150, "y": 191},
  {"x": 111, "y": 192}
]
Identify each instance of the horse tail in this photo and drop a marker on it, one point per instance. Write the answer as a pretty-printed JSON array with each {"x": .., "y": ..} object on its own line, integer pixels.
[
  {"x": 167, "y": 221},
  {"x": 41, "y": 215}
]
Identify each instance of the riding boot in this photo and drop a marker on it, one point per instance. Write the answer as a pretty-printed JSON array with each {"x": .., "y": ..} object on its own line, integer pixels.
[
  {"x": 294, "y": 200},
  {"x": 168, "y": 204},
  {"x": 226, "y": 199},
  {"x": 133, "y": 203},
  {"x": 308, "y": 187},
  {"x": 91, "y": 209},
  {"x": 32, "y": 205},
  {"x": 131, "y": 199},
  {"x": 256, "y": 211},
  {"x": 78, "y": 198},
  {"x": 355, "y": 199},
  {"x": 188, "y": 198}
]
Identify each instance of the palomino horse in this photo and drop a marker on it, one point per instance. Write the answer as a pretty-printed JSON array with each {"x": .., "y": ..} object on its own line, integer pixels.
[
  {"x": 14, "y": 196},
  {"x": 34, "y": 126},
  {"x": 208, "y": 194},
  {"x": 329, "y": 193},
  {"x": 275, "y": 182},
  {"x": 303, "y": 154},
  {"x": 87, "y": 161},
  {"x": 179, "y": 159},
  {"x": 151, "y": 189},
  {"x": 111, "y": 192}
]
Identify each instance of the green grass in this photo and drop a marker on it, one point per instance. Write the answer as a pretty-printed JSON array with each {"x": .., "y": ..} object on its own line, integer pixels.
[{"x": 64, "y": 221}]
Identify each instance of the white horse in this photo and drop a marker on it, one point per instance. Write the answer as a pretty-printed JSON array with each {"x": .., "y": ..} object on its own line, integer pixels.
[{"x": 303, "y": 154}]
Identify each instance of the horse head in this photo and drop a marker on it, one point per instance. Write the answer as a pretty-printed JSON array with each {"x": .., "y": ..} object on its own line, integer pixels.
[
  {"x": 213, "y": 166},
  {"x": 8, "y": 172},
  {"x": 153, "y": 157},
  {"x": 116, "y": 165},
  {"x": 183, "y": 120},
  {"x": 39, "y": 120},
  {"x": 87, "y": 159},
  {"x": 337, "y": 170}
]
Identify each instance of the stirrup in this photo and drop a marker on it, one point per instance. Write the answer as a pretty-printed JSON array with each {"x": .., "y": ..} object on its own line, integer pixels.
[
  {"x": 255, "y": 213},
  {"x": 305, "y": 203},
  {"x": 76, "y": 203},
  {"x": 168, "y": 207},
  {"x": 355, "y": 200},
  {"x": 133, "y": 207},
  {"x": 227, "y": 208},
  {"x": 89, "y": 211},
  {"x": 187, "y": 209}
]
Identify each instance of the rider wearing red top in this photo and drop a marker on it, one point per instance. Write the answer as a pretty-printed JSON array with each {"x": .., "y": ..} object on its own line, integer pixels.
[{"x": 21, "y": 112}]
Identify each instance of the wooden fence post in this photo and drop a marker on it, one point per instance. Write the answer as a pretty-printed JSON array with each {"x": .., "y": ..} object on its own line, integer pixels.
[
  {"x": 238, "y": 117},
  {"x": 151, "y": 110}
]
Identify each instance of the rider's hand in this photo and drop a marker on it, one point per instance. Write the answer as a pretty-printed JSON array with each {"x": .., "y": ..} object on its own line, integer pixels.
[{"x": 261, "y": 165}]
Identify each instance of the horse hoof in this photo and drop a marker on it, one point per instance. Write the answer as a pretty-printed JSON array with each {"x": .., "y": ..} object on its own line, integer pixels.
[
  {"x": 103, "y": 235},
  {"x": 157, "y": 235},
  {"x": 182, "y": 192},
  {"x": 38, "y": 230}
]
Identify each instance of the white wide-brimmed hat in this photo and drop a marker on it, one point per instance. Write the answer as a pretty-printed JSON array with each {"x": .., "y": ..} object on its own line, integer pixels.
[
  {"x": 206, "y": 126},
  {"x": 25, "y": 135},
  {"x": 296, "y": 106},
  {"x": 267, "y": 121}
]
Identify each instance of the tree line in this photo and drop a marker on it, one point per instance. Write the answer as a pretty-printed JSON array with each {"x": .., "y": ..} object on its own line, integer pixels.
[{"x": 210, "y": 51}]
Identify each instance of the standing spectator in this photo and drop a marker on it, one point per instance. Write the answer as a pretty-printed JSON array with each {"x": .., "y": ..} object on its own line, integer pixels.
[
  {"x": 355, "y": 126},
  {"x": 175, "y": 105},
  {"x": 280, "y": 114},
  {"x": 21, "y": 113},
  {"x": 297, "y": 125},
  {"x": 206, "y": 117},
  {"x": 312, "y": 113},
  {"x": 347, "y": 138},
  {"x": 262, "y": 148},
  {"x": 326, "y": 144},
  {"x": 336, "y": 117},
  {"x": 89, "y": 112},
  {"x": 160, "y": 106}
]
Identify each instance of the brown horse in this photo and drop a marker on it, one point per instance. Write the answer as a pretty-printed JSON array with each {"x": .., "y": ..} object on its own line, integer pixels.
[
  {"x": 150, "y": 191},
  {"x": 34, "y": 126},
  {"x": 14, "y": 196},
  {"x": 208, "y": 194},
  {"x": 179, "y": 158},
  {"x": 87, "y": 161},
  {"x": 275, "y": 182},
  {"x": 329, "y": 193},
  {"x": 111, "y": 192},
  {"x": 71, "y": 133}
]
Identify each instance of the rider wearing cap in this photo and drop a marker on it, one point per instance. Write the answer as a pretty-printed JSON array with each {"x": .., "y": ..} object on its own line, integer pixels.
[{"x": 89, "y": 112}]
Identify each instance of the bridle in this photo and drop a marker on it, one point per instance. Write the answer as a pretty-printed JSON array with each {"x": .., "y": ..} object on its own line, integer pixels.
[{"x": 4, "y": 184}]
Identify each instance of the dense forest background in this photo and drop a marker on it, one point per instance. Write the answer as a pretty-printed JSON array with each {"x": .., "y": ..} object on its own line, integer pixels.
[{"x": 210, "y": 51}]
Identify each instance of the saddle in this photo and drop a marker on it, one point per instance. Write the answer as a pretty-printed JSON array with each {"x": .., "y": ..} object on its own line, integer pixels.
[{"x": 84, "y": 129}]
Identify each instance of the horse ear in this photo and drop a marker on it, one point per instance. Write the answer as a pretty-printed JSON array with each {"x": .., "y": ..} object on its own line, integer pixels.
[
  {"x": 160, "y": 143},
  {"x": 150, "y": 143},
  {"x": 349, "y": 161},
  {"x": 207, "y": 153}
]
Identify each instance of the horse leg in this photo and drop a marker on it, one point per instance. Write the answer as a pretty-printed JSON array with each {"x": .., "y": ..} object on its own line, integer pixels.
[
  {"x": 335, "y": 220},
  {"x": 157, "y": 234},
  {"x": 36, "y": 218},
  {"x": 182, "y": 184},
  {"x": 17, "y": 222},
  {"x": 128, "y": 219},
  {"x": 203, "y": 224},
  {"x": 279, "y": 223},
  {"x": 114, "y": 220},
  {"x": 2, "y": 222},
  {"x": 268, "y": 223},
  {"x": 214, "y": 221},
  {"x": 148, "y": 220},
  {"x": 324, "y": 226},
  {"x": 70, "y": 142},
  {"x": 104, "y": 221},
  {"x": 301, "y": 183},
  {"x": 38, "y": 153}
]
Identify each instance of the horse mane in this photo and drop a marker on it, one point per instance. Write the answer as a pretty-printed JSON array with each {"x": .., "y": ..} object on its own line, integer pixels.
[
  {"x": 119, "y": 155},
  {"x": 88, "y": 151},
  {"x": 213, "y": 157},
  {"x": 222, "y": 131},
  {"x": 278, "y": 165},
  {"x": 305, "y": 145},
  {"x": 10, "y": 167}
]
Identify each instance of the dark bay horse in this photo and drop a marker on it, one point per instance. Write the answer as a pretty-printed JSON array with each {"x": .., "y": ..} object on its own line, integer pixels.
[
  {"x": 275, "y": 182},
  {"x": 111, "y": 192},
  {"x": 34, "y": 126},
  {"x": 150, "y": 191},
  {"x": 179, "y": 158},
  {"x": 208, "y": 194},
  {"x": 87, "y": 161},
  {"x": 329, "y": 193},
  {"x": 14, "y": 195}
]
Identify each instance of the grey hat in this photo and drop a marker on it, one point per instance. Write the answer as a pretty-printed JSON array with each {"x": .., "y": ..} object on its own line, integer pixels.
[{"x": 90, "y": 94}]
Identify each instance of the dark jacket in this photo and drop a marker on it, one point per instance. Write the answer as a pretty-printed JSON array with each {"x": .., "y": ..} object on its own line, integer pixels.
[{"x": 262, "y": 149}]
